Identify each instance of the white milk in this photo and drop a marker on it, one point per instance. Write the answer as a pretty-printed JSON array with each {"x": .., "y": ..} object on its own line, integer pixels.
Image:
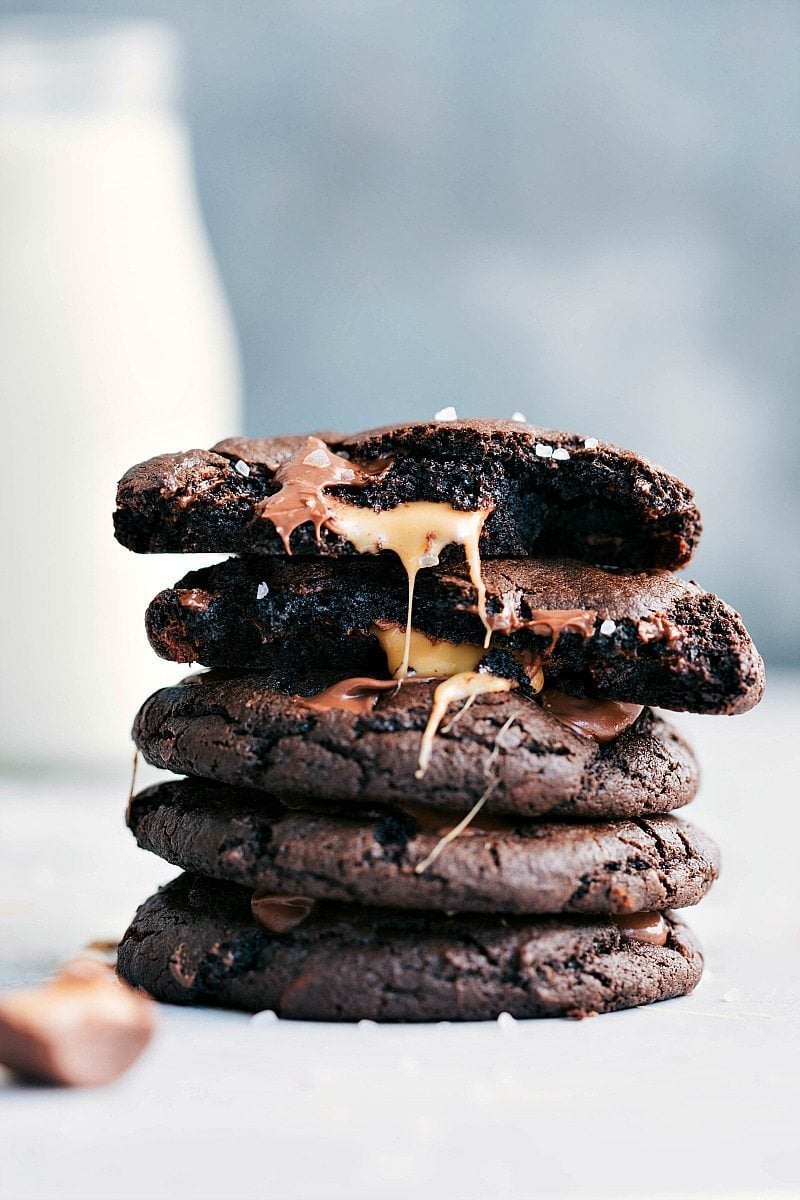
[{"x": 115, "y": 345}]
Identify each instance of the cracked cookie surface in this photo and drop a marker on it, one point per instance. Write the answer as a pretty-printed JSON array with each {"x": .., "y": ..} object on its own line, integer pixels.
[
  {"x": 250, "y": 730},
  {"x": 371, "y": 857}
]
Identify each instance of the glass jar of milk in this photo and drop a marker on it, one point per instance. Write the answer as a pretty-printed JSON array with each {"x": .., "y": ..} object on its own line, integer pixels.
[{"x": 115, "y": 344}]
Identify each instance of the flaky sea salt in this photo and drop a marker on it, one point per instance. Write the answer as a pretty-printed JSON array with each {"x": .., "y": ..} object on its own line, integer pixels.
[
  {"x": 518, "y": 416},
  {"x": 317, "y": 458},
  {"x": 505, "y": 1021},
  {"x": 241, "y": 466},
  {"x": 561, "y": 454},
  {"x": 429, "y": 560},
  {"x": 732, "y": 995},
  {"x": 608, "y": 627},
  {"x": 261, "y": 591},
  {"x": 446, "y": 414},
  {"x": 590, "y": 443},
  {"x": 543, "y": 450}
]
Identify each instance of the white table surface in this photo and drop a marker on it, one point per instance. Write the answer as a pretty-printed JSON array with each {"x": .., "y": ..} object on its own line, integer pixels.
[{"x": 691, "y": 1098}]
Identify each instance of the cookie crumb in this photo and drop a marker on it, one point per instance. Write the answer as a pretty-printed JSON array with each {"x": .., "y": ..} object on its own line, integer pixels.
[{"x": 241, "y": 466}]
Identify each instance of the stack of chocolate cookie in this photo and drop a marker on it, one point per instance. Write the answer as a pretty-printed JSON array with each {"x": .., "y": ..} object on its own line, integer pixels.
[{"x": 423, "y": 777}]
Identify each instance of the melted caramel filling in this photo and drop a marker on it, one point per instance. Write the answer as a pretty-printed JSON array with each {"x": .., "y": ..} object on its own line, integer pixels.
[
  {"x": 464, "y": 686},
  {"x": 417, "y": 532},
  {"x": 422, "y": 654}
]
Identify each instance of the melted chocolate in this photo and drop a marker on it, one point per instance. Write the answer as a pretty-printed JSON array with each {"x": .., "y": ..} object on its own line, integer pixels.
[
  {"x": 602, "y": 720},
  {"x": 301, "y": 496},
  {"x": 647, "y": 927},
  {"x": 280, "y": 914},
  {"x": 358, "y": 695}
]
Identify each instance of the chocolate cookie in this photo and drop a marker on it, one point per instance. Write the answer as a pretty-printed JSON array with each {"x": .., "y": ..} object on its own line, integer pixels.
[
  {"x": 196, "y": 942},
  {"x": 375, "y": 857},
  {"x": 537, "y": 491},
  {"x": 258, "y": 731},
  {"x": 648, "y": 638}
]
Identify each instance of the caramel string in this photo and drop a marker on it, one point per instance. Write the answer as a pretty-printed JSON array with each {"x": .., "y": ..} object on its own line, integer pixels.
[{"x": 466, "y": 821}]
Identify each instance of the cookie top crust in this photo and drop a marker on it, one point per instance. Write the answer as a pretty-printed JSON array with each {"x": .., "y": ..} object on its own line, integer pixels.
[
  {"x": 395, "y": 856},
  {"x": 648, "y": 638},
  {"x": 257, "y": 730},
  {"x": 544, "y": 491}
]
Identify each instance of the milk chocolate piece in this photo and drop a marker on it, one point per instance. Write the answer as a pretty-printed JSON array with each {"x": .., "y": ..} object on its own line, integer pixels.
[
  {"x": 654, "y": 639},
  {"x": 547, "y": 491},
  {"x": 280, "y": 914},
  {"x": 83, "y": 1027}
]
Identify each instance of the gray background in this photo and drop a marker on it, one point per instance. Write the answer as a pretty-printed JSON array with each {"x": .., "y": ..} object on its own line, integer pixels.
[{"x": 585, "y": 211}]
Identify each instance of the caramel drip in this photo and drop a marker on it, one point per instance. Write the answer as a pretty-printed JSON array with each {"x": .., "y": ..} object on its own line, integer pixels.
[
  {"x": 280, "y": 914},
  {"x": 417, "y": 532},
  {"x": 426, "y": 655},
  {"x": 301, "y": 496},
  {"x": 602, "y": 720},
  {"x": 647, "y": 927},
  {"x": 464, "y": 686},
  {"x": 358, "y": 695}
]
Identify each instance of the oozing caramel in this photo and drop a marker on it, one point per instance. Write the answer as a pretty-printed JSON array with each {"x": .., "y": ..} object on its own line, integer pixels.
[
  {"x": 464, "y": 686},
  {"x": 425, "y": 655},
  {"x": 417, "y": 531}
]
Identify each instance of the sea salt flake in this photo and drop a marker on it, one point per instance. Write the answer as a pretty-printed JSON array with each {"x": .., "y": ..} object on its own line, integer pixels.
[
  {"x": 518, "y": 416},
  {"x": 608, "y": 627},
  {"x": 590, "y": 443},
  {"x": 317, "y": 458},
  {"x": 429, "y": 560},
  {"x": 241, "y": 466},
  {"x": 265, "y": 1017},
  {"x": 446, "y": 414},
  {"x": 261, "y": 591},
  {"x": 561, "y": 454},
  {"x": 543, "y": 450},
  {"x": 732, "y": 995},
  {"x": 506, "y": 1021}
]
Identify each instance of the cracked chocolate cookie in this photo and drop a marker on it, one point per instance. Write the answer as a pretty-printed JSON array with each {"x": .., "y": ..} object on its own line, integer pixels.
[
  {"x": 648, "y": 638},
  {"x": 285, "y": 733},
  {"x": 389, "y": 856},
  {"x": 531, "y": 490},
  {"x": 197, "y": 941}
]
